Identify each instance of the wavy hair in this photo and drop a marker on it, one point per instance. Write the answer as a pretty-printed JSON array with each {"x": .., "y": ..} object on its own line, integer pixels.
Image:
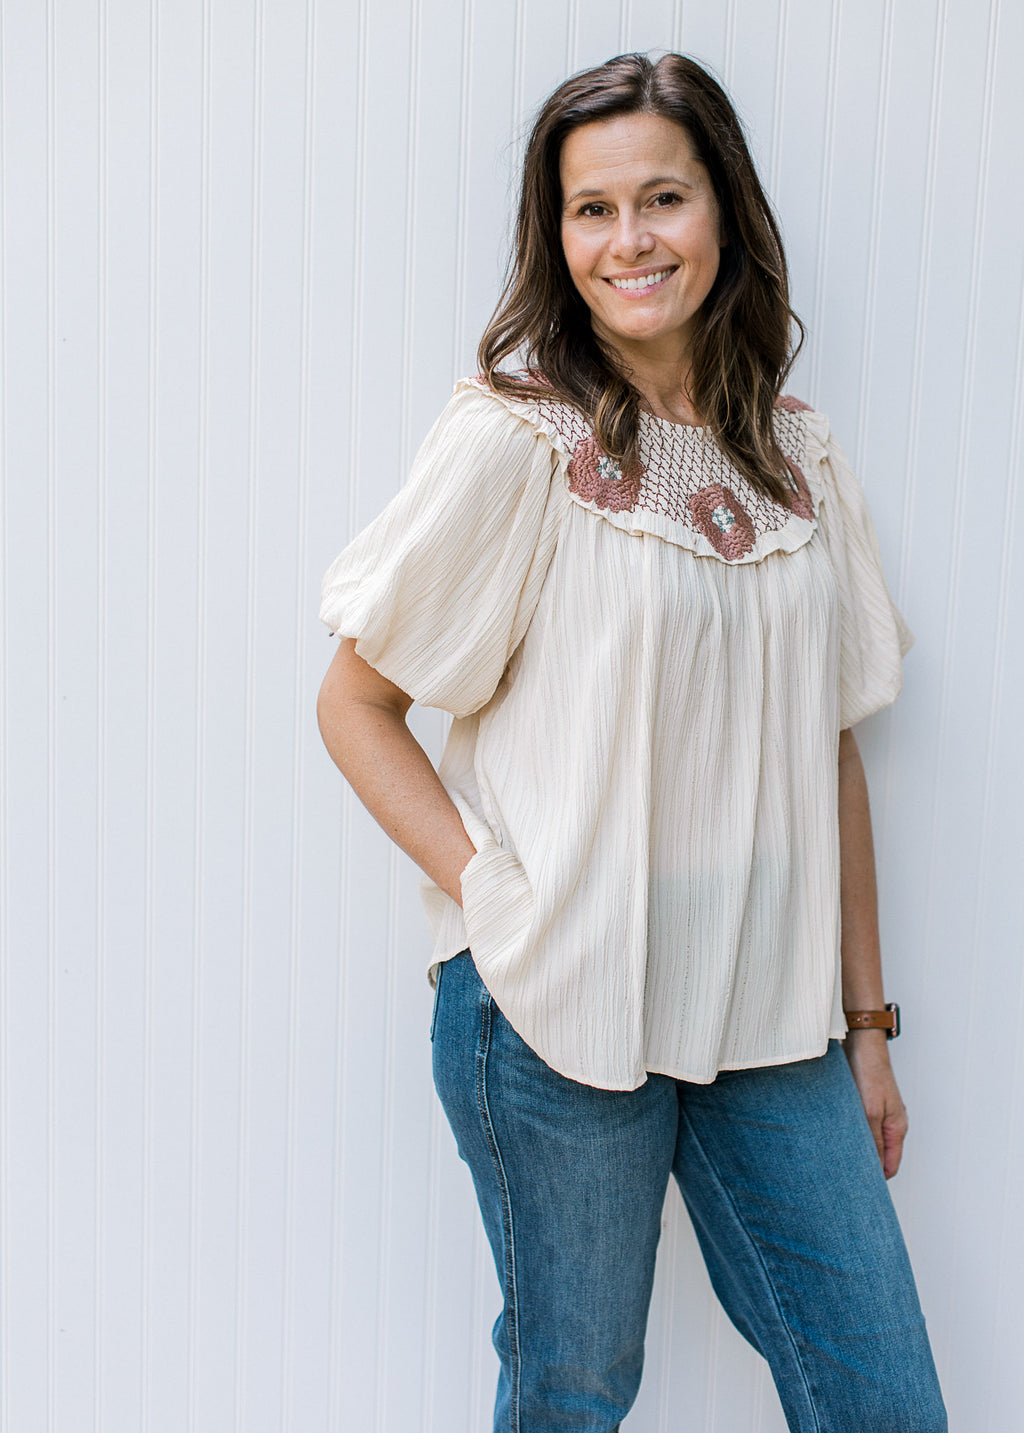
[{"x": 742, "y": 348}]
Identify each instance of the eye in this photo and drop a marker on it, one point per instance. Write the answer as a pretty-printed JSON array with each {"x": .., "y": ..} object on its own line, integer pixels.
[
  {"x": 666, "y": 200},
  {"x": 593, "y": 210}
]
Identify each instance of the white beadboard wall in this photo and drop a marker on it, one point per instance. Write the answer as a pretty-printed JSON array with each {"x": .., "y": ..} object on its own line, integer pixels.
[{"x": 246, "y": 246}]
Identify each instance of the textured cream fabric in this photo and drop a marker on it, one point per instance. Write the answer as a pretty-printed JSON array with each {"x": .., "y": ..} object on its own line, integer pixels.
[{"x": 645, "y": 744}]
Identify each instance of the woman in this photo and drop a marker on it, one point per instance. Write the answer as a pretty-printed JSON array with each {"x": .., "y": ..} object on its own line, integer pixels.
[{"x": 650, "y": 812}]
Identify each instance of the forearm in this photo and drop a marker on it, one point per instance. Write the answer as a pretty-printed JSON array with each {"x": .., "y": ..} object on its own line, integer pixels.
[
  {"x": 362, "y": 721},
  {"x": 861, "y": 951},
  {"x": 867, "y": 1050}
]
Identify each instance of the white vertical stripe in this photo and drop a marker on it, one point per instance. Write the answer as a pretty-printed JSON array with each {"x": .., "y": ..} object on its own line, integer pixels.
[
  {"x": 464, "y": 143},
  {"x": 6, "y": 941},
  {"x": 358, "y": 266},
  {"x": 199, "y": 729},
  {"x": 519, "y": 76},
  {"x": 339, "y": 1161},
  {"x": 293, "y": 1417},
  {"x": 6, "y": 944},
  {"x": 825, "y": 203},
  {"x": 963, "y": 513},
  {"x": 1007, "y": 1277},
  {"x": 914, "y": 417},
  {"x": 759, "y": 1398},
  {"x": 667, "y": 1411},
  {"x": 392, "y": 1134},
  {"x": 483, "y": 1303},
  {"x": 53, "y": 874},
  {"x": 778, "y": 106},
  {"x": 428, "y": 1386},
  {"x": 915, "y": 412},
  {"x": 384, "y": 1369},
  {"x": 710, "y": 1422},
  {"x": 102, "y": 454},
  {"x": 247, "y": 1054},
  {"x": 409, "y": 271},
  {"x": 152, "y": 423},
  {"x": 730, "y": 42},
  {"x": 572, "y": 36},
  {"x": 625, "y": 16},
  {"x": 874, "y": 243},
  {"x": 6, "y": 1172}
]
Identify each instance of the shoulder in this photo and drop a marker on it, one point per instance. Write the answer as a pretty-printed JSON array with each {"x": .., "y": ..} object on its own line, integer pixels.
[
  {"x": 791, "y": 404},
  {"x": 484, "y": 453},
  {"x": 479, "y": 431},
  {"x": 805, "y": 436},
  {"x": 792, "y": 413},
  {"x": 557, "y": 423}
]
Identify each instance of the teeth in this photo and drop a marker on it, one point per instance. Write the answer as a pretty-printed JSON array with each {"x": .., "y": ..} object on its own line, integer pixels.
[{"x": 644, "y": 283}]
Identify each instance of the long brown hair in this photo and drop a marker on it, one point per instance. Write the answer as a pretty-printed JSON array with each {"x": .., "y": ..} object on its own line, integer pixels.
[{"x": 742, "y": 349}]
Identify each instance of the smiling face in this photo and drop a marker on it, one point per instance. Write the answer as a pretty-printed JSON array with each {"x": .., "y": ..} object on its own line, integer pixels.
[{"x": 640, "y": 232}]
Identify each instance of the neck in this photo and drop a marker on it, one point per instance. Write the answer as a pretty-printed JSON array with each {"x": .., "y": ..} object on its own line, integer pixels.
[
  {"x": 662, "y": 377},
  {"x": 667, "y": 395}
]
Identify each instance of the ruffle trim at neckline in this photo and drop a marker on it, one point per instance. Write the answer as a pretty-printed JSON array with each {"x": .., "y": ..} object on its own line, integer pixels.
[{"x": 684, "y": 490}]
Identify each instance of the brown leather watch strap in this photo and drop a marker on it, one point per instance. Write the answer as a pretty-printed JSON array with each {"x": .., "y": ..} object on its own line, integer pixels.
[{"x": 887, "y": 1020}]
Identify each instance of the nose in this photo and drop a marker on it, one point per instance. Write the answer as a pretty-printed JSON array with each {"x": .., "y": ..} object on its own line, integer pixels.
[{"x": 630, "y": 238}]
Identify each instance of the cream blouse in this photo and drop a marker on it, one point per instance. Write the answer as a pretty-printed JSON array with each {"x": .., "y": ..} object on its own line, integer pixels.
[{"x": 648, "y": 672}]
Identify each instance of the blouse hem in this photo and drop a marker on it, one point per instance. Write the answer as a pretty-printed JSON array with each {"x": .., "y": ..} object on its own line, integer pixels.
[
  {"x": 438, "y": 959},
  {"x": 814, "y": 1053}
]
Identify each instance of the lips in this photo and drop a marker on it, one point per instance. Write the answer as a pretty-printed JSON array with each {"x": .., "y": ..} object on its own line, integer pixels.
[{"x": 640, "y": 283}]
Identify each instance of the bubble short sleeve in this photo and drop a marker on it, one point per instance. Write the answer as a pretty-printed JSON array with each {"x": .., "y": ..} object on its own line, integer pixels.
[
  {"x": 438, "y": 591},
  {"x": 874, "y": 638}
]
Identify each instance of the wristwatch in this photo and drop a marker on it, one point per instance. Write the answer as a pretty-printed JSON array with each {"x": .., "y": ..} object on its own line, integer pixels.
[{"x": 887, "y": 1020}]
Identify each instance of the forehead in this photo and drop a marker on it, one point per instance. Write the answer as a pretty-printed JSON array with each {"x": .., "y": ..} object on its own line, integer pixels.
[{"x": 625, "y": 149}]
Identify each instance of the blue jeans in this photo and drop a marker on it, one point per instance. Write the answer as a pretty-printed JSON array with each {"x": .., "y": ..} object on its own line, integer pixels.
[{"x": 782, "y": 1182}]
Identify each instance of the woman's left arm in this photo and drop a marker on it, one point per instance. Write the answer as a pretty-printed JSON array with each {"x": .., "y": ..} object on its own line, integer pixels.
[{"x": 867, "y": 1050}]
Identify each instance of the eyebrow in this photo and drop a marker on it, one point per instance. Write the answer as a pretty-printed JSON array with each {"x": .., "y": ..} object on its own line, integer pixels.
[{"x": 655, "y": 183}]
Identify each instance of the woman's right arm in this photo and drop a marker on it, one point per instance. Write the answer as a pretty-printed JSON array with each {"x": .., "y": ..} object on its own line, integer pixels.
[{"x": 362, "y": 721}]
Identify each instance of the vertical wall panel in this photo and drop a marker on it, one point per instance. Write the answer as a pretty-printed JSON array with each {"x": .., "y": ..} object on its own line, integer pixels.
[
  {"x": 246, "y": 247},
  {"x": 74, "y": 651},
  {"x": 28, "y": 719}
]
